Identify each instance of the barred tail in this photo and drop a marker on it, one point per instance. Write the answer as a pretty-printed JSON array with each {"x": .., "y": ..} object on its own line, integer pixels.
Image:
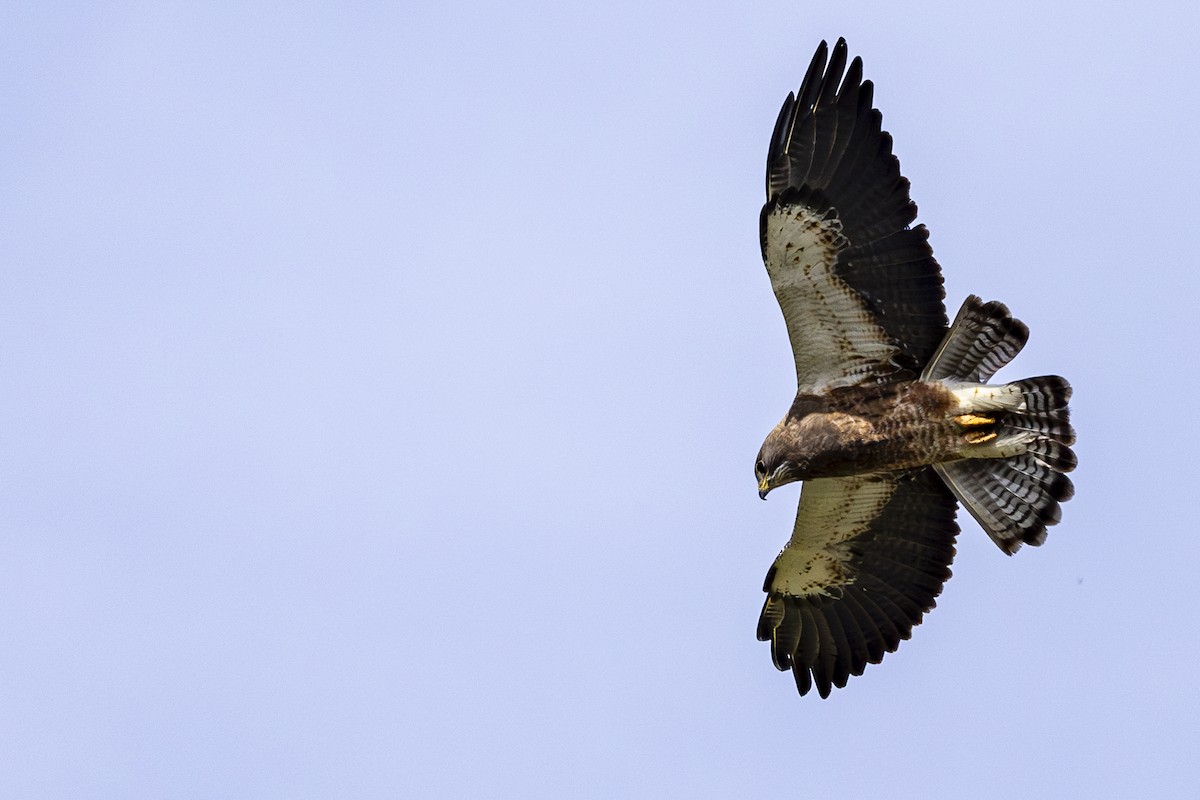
[
  {"x": 1013, "y": 476},
  {"x": 1016, "y": 483},
  {"x": 982, "y": 339}
]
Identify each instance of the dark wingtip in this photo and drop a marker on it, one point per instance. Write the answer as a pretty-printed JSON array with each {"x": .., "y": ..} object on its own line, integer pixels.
[{"x": 811, "y": 85}]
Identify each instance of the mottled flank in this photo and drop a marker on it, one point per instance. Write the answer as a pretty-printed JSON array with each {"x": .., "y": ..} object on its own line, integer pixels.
[{"x": 893, "y": 419}]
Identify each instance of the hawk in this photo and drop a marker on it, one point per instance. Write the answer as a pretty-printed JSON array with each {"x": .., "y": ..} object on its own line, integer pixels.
[{"x": 894, "y": 422}]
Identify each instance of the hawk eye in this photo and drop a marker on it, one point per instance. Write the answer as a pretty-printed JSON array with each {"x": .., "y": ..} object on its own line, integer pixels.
[{"x": 760, "y": 468}]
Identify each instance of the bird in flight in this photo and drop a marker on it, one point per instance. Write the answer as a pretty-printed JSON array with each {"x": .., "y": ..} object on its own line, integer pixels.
[{"x": 894, "y": 422}]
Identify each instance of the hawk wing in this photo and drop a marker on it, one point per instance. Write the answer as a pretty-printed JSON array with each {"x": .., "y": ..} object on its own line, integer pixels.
[
  {"x": 868, "y": 555},
  {"x": 860, "y": 291}
]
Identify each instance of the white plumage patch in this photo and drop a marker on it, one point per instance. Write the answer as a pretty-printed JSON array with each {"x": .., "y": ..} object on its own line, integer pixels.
[
  {"x": 975, "y": 397},
  {"x": 981, "y": 398},
  {"x": 836, "y": 340},
  {"x": 833, "y": 512}
]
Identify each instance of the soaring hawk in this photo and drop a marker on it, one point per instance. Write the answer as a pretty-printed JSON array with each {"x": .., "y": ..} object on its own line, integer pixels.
[{"x": 893, "y": 420}]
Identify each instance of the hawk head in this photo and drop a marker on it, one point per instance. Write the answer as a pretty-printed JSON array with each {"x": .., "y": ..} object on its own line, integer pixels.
[
  {"x": 778, "y": 461},
  {"x": 810, "y": 442}
]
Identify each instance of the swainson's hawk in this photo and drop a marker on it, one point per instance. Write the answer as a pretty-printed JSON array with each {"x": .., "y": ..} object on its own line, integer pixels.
[{"x": 893, "y": 419}]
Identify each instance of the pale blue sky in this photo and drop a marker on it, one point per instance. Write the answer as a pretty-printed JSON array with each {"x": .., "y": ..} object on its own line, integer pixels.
[{"x": 384, "y": 384}]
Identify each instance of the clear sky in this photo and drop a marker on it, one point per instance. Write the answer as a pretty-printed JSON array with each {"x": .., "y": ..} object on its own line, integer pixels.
[{"x": 382, "y": 385}]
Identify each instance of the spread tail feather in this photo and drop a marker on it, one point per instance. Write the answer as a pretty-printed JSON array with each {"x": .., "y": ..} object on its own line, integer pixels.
[
  {"x": 1013, "y": 484},
  {"x": 982, "y": 339},
  {"x": 1013, "y": 479},
  {"x": 1013, "y": 499}
]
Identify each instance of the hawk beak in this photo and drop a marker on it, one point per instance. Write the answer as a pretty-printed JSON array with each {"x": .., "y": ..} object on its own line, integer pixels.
[{"x": 763, "y": 488}]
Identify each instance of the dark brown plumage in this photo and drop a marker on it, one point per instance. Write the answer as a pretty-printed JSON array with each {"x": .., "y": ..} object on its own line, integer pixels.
[{"x": 893, "y": 419}]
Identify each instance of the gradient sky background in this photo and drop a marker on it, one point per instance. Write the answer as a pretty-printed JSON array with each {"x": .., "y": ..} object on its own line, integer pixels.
[{"x": 383, "y": 384}]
